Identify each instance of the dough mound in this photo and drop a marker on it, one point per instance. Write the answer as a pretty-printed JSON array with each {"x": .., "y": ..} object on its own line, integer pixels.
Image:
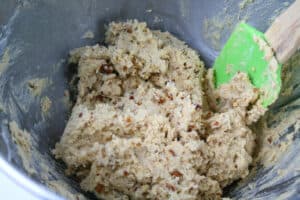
[{"x": 147, "y": 124}]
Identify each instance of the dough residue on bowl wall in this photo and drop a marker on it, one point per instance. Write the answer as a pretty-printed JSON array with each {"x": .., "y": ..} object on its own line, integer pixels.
[
  {"x": 24, "y": 146},
  {"x": 37, "y": 85},
  {"x": 217, "y": 28},
  {"x": 4, "y": 61},
  {"x": 45, "y": 105},
  {"x": 88, "y": 35},
  {"x": 8, "y": 55},
  {"x": 40, "y": 165}
]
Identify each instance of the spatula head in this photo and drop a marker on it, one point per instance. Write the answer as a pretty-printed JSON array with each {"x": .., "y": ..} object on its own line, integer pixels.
[{"x": 242, "y": 53}]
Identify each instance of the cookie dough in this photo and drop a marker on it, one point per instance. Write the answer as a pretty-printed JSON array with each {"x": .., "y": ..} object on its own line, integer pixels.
[{"x": 148, "y": 123}]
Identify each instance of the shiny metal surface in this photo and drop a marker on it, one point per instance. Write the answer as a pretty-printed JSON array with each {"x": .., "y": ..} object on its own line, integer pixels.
[{"x": 35, "y": 190}]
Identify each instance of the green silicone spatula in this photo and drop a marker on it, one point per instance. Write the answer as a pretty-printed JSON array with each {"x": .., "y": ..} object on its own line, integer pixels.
[{"x": 260, "y": 55}]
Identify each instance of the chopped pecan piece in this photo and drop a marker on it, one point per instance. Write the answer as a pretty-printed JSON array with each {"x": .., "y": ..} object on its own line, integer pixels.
[
  {"x": 99, "y": 188},
  {"x": 176, "y": 173}
]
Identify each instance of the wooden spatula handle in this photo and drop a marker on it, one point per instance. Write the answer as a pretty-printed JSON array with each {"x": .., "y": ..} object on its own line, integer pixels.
[{"x": 284, "y": 34}]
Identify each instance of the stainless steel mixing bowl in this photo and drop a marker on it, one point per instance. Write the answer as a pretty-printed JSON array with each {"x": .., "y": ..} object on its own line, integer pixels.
[{"x": 37, "y": 35}]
